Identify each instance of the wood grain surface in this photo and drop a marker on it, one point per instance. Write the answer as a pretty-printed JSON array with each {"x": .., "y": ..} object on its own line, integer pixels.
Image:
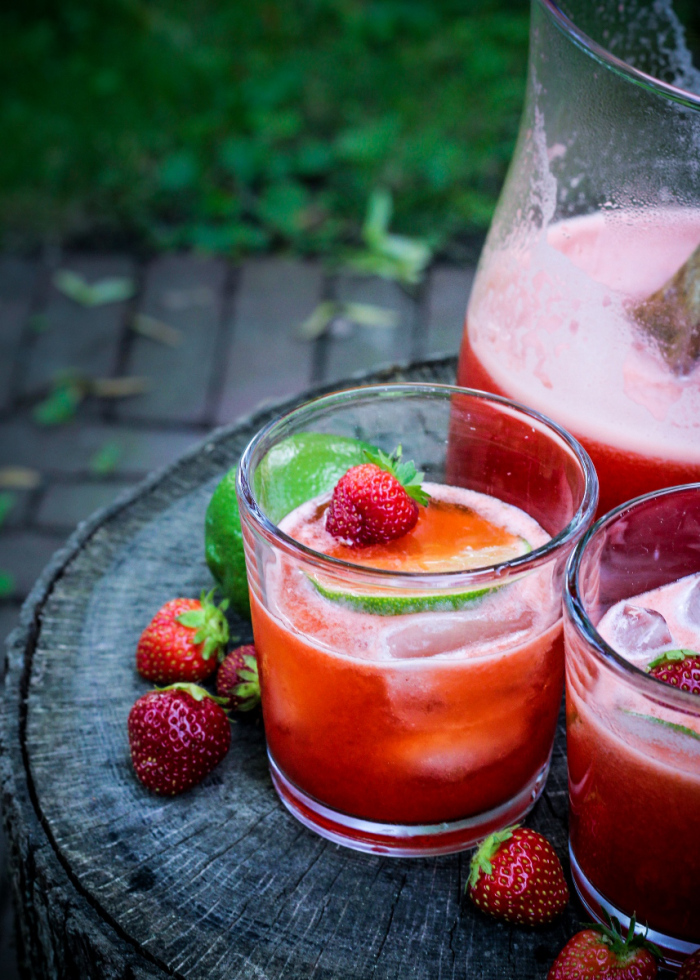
[{"x": 221, "y": 882}]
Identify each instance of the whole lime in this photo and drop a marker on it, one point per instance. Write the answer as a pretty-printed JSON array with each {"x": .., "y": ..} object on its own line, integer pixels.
[{"x": 293, "y": 471}]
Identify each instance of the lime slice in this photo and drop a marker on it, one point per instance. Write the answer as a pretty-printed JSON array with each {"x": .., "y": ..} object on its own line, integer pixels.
[
  {"x": 391, "y": 603},
  {"x": 295, "y": 470}
]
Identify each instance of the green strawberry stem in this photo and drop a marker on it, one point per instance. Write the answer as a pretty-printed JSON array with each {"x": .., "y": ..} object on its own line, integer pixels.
[
  {"x": 406, "y": 473},
  {"x": 486, "y": 851},
  {"x": 194, "y": 690},
  {"x": 249, "y": 688},
  {"x": 624, "y": 948},
  {"x": 211, "y": 625},
  {"x": 672, "y": 656}
]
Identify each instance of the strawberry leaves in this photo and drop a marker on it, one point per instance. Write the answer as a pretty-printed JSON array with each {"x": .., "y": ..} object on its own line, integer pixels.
[
  {"x": 210, "y": 623},
  {"x": 406, "y": 472}
]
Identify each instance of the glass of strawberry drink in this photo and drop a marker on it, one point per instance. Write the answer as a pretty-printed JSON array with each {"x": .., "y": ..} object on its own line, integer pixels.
[
  {"x": 411, "y": 686},
  {"x": 632, "y": 636}
]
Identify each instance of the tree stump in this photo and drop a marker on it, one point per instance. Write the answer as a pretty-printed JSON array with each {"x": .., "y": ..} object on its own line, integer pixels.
[{"x": 221, "y": 882}]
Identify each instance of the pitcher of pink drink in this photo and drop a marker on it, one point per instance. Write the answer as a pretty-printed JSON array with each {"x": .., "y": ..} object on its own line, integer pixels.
[{"x": 586, "y": 303}]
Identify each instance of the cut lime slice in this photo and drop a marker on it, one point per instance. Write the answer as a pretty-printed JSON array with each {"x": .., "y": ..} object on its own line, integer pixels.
[{"x": 391, "y": 603}]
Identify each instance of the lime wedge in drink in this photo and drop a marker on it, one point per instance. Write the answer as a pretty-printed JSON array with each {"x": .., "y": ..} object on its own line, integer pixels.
[
  {"x": 392, "y": 603},
  {"x": 295, "y": 470}
]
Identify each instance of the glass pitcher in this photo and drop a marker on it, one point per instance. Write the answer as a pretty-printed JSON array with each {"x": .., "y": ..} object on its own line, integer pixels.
[{"x": 586, "y": 303}]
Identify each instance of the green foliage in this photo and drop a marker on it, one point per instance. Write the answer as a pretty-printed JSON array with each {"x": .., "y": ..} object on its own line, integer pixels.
[{"x": 235, "y": 127}]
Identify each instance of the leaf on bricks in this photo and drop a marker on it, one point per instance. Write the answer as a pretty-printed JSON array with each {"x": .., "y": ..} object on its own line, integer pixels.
[
  {"x": 318, "y": 322},
  {"x": 106, "y": 459},
  {"x": 62, "y": 404},
  {"x": 162, "y": 333},
  {"x": 7, "y": 502},
  {"x": 19, "y": 478},
  {"x": 7, "y": 584},
  {"x": 119, "y": 387},
  {"x": 114, "y": 289},
  {"x": 368, "y": 315}
]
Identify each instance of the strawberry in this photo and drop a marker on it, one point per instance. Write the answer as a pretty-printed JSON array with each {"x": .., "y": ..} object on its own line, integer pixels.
[
  {"x": 376, "y": 501},
  {"x": 177, "y": 735},
  {"x": 184, "y": 641},
  {"x": 691, "y": 968},
  {"x": 681, "y": 668},
  {"x": 600, "y": 953},
  {"x": 237, "y": 681},
  {"x": 517, "y": 876}
]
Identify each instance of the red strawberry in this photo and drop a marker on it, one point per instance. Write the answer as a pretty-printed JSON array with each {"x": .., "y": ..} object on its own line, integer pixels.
[
  {"x": 376, "y": 501},
  {"x": 691, "y": 968},
  {"x": 176, "y": 736},
  {"x": 184, "y": 641},
  {"x": 237, "y": 681},
  {"x": 681, "y": 668},
  {"x": 600, "y": 953},
  {"x": 517, "y": 876}
]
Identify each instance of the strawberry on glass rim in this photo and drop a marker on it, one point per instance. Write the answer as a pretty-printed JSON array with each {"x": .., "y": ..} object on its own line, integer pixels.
[{"x": 376, "y": 501}]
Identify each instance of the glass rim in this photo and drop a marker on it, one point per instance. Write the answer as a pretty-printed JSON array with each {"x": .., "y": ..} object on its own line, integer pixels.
[
  {"x": 442, "y": 580},
  {"x": 575, "y": 609},
  {"x": 615, "y": 64}
]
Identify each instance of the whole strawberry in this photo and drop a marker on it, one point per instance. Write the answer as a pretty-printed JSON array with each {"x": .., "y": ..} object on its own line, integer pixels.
[
  {"x": 376, "y": 501},
  {"x": 184, "y": 641},
  {"x": 691, "y": 968},
  {"x": 681, "y": 668},
  {"x": 237, "y": 682},
  {"x": 517, "y": 876},
  {"x": 600, "y": 953},
  {"x": 177, "y": 735}
]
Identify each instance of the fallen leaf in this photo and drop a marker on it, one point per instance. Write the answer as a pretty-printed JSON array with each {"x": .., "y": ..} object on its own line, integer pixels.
[
  {"x": 318, "y": 322},
  {"x": 119, "y": 387},
  {"x": 113, "y": 289},
  {"x": 7, "y": 502},
  {"x": 106, "y": 459},
  {"x": 162, "y": 333},
  {"x": 7, "y": 584},
  {"x": 369, "y": 315},
  {"x": 61, "y": 405},
  {"x": 19, "y": 478}
]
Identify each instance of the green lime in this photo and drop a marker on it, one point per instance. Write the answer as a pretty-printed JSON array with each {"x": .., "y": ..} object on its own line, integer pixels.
[
  {"x": 401, "y": 604},
  {"x": 295, "y": 470},
  {"x": 223, "y": 544},
  {"x": 303, "y": 466}
]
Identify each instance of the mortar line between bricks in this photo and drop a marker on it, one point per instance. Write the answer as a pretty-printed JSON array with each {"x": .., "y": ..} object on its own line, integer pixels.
[
  {"x": 222, "y": 342},
  {"x": 419, "y": 326},
  {"x": 39, "y": 300},
  {"x": 319, "y": 357},
  {"x": 125, "y": 342},
  {"x": 319, "y": 367}
]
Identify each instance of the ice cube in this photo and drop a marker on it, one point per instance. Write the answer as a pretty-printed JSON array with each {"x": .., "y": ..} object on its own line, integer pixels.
[
  {"x": 636, "y": 632},
  {"x": 692, "y": 604},
  {"x": 435, "y": 634}
]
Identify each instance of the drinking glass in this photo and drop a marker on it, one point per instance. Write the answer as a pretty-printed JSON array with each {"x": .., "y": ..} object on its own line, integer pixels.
[
  {"x": 412, "y": 713},
  {"x": 574, "y": 308},
  {"x": 633, "y": 741}
]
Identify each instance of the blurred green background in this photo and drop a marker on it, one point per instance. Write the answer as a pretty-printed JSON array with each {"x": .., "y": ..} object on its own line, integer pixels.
[{"x": 236, "y": 127}]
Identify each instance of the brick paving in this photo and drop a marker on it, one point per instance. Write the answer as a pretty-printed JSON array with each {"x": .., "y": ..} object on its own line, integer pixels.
[{"x": 238, "y": 347}]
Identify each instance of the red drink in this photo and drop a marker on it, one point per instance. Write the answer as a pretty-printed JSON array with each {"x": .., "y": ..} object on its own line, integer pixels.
[
  {"x": 411, "y": 689},
  {"x": 549, "y": 326},
  {"x": 434, "y": 716}
]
